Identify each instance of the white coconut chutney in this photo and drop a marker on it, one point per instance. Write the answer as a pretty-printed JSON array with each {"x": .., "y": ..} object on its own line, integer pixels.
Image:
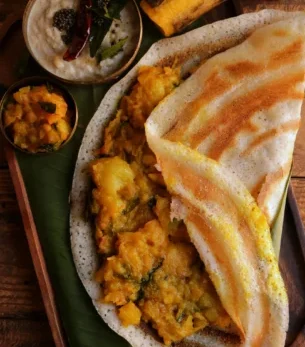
[{"x": 47, "y": 47}]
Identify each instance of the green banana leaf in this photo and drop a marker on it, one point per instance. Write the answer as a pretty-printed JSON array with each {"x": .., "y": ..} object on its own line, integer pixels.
[
  {"x": 277, "y": 228},
  {"x": 48, "y": 180}
]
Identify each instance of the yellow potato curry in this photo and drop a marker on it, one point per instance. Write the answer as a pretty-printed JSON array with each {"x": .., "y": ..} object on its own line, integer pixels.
[
  {"x": 37, "y": 119},
  {"x": 150, "y": 270}
]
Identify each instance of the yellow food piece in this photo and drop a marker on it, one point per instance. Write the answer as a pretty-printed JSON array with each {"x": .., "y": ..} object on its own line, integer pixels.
[
  {"x": 114, "y": 180},
  {"x": 9, "y": 118},
  {"x": 119, "y": 200},
  {"x": 129, "y": 314},
  {"x": 21, "y": 128},
  {"x": 64, "y": 129},
  {"x": 154, "y": 83},
  {"x": 52, "y": 137},
  {"x": 157, "y": 178},
  {"x": 30, "y": 117},
  {"x": 142, "y": 181},
  {"x": 32, "y": 127},
  {"x": 172, "y": 298},
  {"x": 46, "y": 127},
  {"x": 173, "y": 15},
  {"x": 25, "y": 90},
  {"x": 53, "y": 118},
  {"x": 138, "y": 253}
]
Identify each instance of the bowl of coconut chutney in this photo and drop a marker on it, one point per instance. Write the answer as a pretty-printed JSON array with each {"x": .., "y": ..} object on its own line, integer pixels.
[{"x": 83, "y": 41}]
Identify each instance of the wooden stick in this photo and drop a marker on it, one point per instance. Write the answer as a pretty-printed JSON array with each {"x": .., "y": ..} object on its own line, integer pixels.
[{"x": 35, "y": 248}]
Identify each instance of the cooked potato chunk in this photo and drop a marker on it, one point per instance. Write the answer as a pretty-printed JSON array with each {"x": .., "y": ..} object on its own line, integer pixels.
[
  {"x": 114, "y": 180},
  {"x": 130, "y": 314}
]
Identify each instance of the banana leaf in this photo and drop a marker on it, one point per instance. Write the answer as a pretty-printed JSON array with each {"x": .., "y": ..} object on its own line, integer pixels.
[
  {"x": 48, "y": 180},
  {"x": 277, "y": 228}
]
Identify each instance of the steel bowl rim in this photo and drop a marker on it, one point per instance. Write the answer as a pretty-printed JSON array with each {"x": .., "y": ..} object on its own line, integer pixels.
[
  {"x": 98, "y": 81},
  {"x": 29, "y": 81}
]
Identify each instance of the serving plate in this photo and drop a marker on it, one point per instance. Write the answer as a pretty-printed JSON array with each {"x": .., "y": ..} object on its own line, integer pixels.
[{"x": 45, "y": 214}]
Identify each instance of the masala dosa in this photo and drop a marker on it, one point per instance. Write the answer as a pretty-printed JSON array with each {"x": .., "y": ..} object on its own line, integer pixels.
[{"x": 189, "y": 50}]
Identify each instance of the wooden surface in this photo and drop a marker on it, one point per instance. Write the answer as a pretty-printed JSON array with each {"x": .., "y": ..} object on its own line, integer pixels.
[
  {"x": 22, "y": 317},
  {"x": 257, "y": 5},
  {"x": 23, "y": 322}
]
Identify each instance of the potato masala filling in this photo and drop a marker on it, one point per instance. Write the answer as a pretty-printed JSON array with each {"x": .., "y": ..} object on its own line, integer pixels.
[
  {"x": 150, "y": 269},
  {"x": 37, "y": 119}
]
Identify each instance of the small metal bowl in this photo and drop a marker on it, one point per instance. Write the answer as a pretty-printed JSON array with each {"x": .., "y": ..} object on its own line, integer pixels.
[
  {"x": 134, "y": 17},
  {"x": 37, "y": 81}
]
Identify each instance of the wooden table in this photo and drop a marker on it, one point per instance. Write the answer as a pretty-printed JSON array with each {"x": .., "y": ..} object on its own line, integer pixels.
[{"x": 22, "y": 317}]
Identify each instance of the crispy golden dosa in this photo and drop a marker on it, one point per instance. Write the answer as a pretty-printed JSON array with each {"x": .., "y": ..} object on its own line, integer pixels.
[
  {"x": 242, "y": 108},
  {"x": 232, "y": 237}
]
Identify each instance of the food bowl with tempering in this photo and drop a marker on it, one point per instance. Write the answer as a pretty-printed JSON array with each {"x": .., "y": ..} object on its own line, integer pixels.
[{"x": 38, "y": 115}]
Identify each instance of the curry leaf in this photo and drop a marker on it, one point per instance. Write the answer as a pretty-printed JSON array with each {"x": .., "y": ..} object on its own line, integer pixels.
[
  {"x": 132, "y": 204},
  {"x": 111, "y": 51},
  {"x": 107, "y": 15},
  {"x": 115, "y": 7},
  {"x": 49, "y": 107},
  {"x": 152, "y": 202},
  {"x": 123, "y": 124},
  {"x": 97, "y": 36},
  {"x": 98, "y": 32},
  {"x": 145, "y": 280}
]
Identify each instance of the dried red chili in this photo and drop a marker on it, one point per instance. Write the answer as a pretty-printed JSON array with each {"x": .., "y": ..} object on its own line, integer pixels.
[{"x": 82, "y": 30}]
